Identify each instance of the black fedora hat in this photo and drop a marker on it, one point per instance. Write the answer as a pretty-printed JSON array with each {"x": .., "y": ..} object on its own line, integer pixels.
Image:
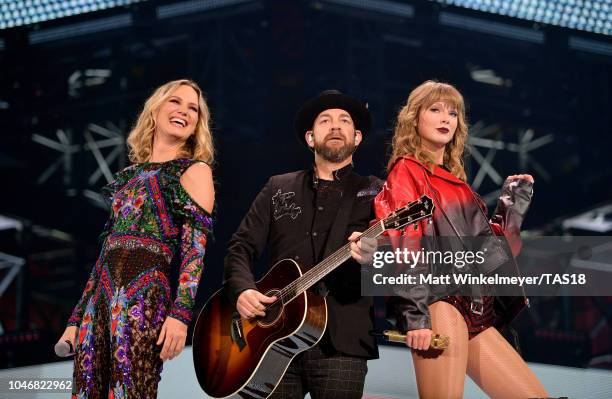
[{"x": 306, "y": 115}]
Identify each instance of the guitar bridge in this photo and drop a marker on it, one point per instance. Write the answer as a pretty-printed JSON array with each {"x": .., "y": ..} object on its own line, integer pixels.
[{"x": 236, "y": 331}]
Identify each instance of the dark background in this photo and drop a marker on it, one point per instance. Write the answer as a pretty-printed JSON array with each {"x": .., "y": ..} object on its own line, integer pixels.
[{"x": 257, "y": 61}]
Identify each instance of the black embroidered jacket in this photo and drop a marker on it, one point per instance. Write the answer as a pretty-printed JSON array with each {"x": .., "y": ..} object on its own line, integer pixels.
[{"x": 297, "y": 216}]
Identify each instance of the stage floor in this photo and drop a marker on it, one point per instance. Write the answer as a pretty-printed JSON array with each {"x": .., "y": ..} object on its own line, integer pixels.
[{"x": 390, "y": 377}]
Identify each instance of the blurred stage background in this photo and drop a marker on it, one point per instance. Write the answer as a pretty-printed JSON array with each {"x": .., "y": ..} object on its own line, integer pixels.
[{"x": 536, "y": 76}]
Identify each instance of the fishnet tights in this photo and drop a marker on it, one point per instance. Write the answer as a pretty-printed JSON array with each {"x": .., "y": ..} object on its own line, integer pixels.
[{"x": 487, "y": 358}]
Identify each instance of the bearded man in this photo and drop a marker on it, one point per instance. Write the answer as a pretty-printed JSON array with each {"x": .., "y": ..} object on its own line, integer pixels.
[{"x": 306, "y": 216}]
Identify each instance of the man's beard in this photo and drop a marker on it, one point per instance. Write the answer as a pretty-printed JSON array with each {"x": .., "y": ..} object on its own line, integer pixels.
[{"x": 334, "y": 154}]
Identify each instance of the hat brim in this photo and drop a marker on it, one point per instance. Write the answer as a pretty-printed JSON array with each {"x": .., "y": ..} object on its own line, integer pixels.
[{"x": 306, "y": 115}]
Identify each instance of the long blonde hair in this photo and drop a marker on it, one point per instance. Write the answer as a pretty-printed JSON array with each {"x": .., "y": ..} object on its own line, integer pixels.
[
  {"x": 406, "y": 139},
  {"x": 198, "y": 146}
]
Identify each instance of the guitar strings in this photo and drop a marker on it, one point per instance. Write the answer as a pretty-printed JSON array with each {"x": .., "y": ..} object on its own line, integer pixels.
[
  {"x": 315, "y": 274},
  {"x": 318, "y": 271},
  {"x": 312, "y": 276},
  {"x": 309, "y": 278}
]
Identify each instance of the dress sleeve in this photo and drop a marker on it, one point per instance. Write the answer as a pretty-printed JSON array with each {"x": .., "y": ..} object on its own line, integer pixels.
[
  {"x": 79, "y": 309},
  {"x": 409, "y": 308},
  {"x": 108, "y": 192},
  {"x": 196, "y": 227},
  {"x": 121, "y": 179}
]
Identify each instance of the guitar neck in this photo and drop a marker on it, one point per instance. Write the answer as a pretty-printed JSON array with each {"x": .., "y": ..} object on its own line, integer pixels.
[
  {"x": 326, "y": 266},
  {"x": 409, "y": 214}
]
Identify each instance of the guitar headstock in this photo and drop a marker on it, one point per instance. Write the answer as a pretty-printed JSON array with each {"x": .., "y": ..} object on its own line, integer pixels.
[{"x": 411, "y": 213}]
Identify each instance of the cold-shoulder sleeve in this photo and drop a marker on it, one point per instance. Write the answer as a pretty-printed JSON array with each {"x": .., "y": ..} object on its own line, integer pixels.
[
  {"x": 108, "y": 192},
  {"x": 196, "y": 227},
  {"x": 83, "y": 304},
  {"x": 121, "y": 179}
]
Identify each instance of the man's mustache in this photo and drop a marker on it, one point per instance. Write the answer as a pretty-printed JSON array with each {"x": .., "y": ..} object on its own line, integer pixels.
[{"x": 334, "y": 136}]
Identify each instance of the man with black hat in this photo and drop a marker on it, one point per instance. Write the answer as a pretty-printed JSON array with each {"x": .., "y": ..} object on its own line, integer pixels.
[{"x": 306, "y": 216}]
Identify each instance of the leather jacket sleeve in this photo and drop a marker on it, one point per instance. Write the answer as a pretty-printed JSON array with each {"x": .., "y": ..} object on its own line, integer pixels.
[
  {"x": 409, "y": 308},
  {"x": 510, "y": 212}
]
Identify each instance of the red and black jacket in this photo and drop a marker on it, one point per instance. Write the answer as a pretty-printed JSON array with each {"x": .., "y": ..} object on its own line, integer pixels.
[{"x": 458, "y": 212}]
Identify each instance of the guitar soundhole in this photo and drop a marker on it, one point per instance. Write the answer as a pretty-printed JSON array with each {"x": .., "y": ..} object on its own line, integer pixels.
[{"x": 273, "y": 312}]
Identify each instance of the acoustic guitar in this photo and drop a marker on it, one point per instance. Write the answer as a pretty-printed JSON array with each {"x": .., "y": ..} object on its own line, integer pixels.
[{"x": 246, "y": 358}]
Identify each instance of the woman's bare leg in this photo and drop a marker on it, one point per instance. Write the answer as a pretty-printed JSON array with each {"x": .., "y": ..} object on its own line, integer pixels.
[
  {"x": 499, "y": 370},
  {"x": 442, "y": 374}
]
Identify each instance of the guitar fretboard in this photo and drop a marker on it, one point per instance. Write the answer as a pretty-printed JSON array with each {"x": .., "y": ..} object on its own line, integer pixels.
[
  {"x": 312, "y": 276},
  {"x": 411, "y": 213}
]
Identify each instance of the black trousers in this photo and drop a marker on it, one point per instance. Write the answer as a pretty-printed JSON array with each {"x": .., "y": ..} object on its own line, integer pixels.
[{"x": 324, "y": 377}]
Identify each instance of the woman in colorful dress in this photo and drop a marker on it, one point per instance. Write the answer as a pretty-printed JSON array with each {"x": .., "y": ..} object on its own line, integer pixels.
[
  {"x": 426, "y": 158},
  {"x": 127, "y": 321}
]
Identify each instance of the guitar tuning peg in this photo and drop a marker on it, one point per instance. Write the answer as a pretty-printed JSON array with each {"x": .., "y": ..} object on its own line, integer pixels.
[{"x": 430, "y": 220}]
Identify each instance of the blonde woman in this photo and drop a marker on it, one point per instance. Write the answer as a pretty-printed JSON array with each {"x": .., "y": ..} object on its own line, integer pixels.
[
  {"x": 427, "y": 149},
  {"x": 127, "y": 321}
]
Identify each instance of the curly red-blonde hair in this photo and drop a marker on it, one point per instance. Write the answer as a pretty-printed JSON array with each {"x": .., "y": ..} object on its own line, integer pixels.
[{"x": 406, "y": 139}]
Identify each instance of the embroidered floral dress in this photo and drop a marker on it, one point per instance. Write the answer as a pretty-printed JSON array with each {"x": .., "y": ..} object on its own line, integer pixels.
[{"x": 154, "y": 225}]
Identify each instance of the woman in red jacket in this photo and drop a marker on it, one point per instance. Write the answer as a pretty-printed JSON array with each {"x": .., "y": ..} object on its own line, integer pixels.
[{"x": 426, "y": 158}]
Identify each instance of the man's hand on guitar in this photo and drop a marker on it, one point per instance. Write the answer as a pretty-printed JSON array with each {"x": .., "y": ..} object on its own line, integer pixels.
[
  {"x": 251, "y": 303},
  {"x": 362, "y": 248}
]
